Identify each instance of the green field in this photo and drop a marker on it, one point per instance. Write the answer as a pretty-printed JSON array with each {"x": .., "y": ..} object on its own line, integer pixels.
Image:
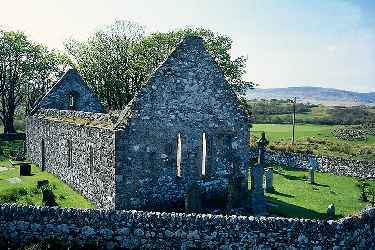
[
  {"x": 318, "y": 139},
  {"x": 25, "y": 192},
  {"x": 295, "y": 197}
]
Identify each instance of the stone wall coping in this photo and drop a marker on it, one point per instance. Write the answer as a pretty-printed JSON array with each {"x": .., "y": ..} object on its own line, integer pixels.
[
  {"x": 78, "y": 118},
  {"x": 13, "y": 212}
]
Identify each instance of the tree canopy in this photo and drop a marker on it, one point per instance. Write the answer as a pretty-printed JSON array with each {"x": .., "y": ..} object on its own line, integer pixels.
[
  {"x": 119, "y": 58},
  {"x": 115, "y": 61},
  {"x": 27, "y": 70}
]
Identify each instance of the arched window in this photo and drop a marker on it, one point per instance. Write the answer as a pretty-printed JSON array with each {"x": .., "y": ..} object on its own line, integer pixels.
[{"x": 178, "y": 156}]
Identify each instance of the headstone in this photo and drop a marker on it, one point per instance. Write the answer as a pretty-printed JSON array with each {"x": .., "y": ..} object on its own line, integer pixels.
[
  {"x": 41, "y": 183},
  {"x": 49, "y": 198},
  {"x": 311, "y": 175},
  {"x": 363, "y": 195},
  {"x": 25, "y": 169},
  {"x": 269, "y": 180},
  {"x": 258, "y": 201},
  {"x": 193, "y": 198},
  {"x": 234, "y": 193},
  {"x": 331, "y": 212}
]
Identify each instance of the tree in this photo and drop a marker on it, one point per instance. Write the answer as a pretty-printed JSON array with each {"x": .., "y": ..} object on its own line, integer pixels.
[
  {"x": 104, "y": 61},
  {"x": 118, "y": 59},
  {"x": 26, "y": 70}
]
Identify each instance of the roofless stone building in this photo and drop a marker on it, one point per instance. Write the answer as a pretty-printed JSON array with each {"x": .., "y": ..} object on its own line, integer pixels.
[{"x": 184, "y": 126}]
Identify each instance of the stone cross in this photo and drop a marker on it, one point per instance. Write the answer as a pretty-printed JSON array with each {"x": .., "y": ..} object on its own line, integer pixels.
[
  {"x": 258, "y": 202},
  {"x": 261, "y": 144},
  {"x": 269, "y": 180}
]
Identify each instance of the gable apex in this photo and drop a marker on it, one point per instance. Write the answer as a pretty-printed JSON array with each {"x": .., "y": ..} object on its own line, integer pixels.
[{"x": 70, "y": 84}]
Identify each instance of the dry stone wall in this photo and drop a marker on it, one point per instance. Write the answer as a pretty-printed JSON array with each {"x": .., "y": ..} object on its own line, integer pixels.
[
  {"x": 327, "y": 164},
  {"x": 153, "y": 230},
  {"x": 81, "y": 156}
]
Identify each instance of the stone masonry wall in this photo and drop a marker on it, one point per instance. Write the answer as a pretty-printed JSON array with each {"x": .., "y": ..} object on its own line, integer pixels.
[
  {"x": 70, "y": 84},
  {"x": 153, "y": 230},
  {"x": 82, "y": 156},
  {"x": 187, "y": 95},
  {"x": 327, "y": 164}
]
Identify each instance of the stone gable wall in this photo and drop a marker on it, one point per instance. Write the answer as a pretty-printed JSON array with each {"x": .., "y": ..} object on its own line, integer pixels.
[
  {"x": 71, "y": 83},
  {"x": 91, "y": 170},
  {"x": 327, "y": 164},
  {"x": 152, "y": 230},
  {"x": 187, "y": 95}
]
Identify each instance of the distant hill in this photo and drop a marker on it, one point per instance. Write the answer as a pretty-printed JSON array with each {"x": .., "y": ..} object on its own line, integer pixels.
[{"x": 315, "y": 95}]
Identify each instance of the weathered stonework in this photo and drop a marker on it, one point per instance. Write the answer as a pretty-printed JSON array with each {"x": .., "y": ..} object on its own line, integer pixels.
[
  {"x": 187, "y": 95},
  {"x": 152, "y": 230},
  {"x": 71, "y": 84},
  {"x": 82, "y": 156},
  {"x": 135, "y": 152}
]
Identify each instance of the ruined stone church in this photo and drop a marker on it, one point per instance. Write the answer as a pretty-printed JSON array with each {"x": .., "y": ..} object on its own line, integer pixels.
[{"x": 184, "y": 126}]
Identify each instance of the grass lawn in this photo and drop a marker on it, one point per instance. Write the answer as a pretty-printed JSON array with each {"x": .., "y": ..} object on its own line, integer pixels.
[
  {"x": 317, "y": 138},
  {"x": 295, "y": 197},
  {"x": 25, "y": 192}
]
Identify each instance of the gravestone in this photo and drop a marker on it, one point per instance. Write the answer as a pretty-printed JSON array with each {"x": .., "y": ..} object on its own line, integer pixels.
[
  {"x": 314, "y": 165},
  {"x": 49, "y": 198},
  {"x": 269, "y": 180},
  {"x": 258, "y": 201},
  {"x": 312, "y": 175},
  {"x": 41, "y": 183},
  {"x": 331, "y": 212},
  {"x": 193, "y": 198},
  {"x": 21, "y": 153},
  {"x": 234, "y": 193},
  {"x": 25, "y": 169}
]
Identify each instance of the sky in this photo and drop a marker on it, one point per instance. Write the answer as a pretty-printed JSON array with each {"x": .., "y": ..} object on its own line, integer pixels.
[{"x": 327, "y": 43}]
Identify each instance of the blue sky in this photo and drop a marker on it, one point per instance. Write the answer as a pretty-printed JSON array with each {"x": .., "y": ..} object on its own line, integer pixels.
[{"x": 329, "y": 43}]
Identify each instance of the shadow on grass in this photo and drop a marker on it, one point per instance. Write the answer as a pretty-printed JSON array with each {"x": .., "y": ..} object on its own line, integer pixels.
[
  {"x": 292, "y": 177},
  {"x": 292, "y": 211},
  {"x": 320, "y": 185},
  {"x": 281, "y": 194}
]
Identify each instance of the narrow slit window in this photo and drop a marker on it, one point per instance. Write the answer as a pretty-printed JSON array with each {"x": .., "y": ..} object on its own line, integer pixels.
[
  {"x": 91, "y": 159},
  {"x": 71, "y": 101},
  {"x": 69, "y": 153},
  {"x": 178, "y": 156},
  {"x": 204, "y": 154},
  {"x": 43, "y": 155}
]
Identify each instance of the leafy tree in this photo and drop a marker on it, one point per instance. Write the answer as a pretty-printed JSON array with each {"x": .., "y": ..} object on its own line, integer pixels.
[
  {"x": 26, "y": 71},
  {"x": 118, "y": 59},
  {"x": 105, "y": 62}
]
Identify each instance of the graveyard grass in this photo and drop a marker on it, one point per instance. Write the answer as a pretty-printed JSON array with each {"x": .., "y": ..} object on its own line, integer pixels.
[
  {"x": 27, "y": 193},
  {"x": 317, "y": 139},
  {"x": 294, "y": 196}
]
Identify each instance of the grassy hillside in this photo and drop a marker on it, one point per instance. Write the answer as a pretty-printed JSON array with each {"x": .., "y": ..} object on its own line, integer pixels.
[
  {"x": 318, "y": 139},
  {"x": 317, "y": 95},
  {"x": 294, "y": 196}
]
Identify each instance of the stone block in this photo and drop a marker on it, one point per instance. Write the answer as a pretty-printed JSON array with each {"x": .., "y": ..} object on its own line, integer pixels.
[
  {"x": 41, "y": 183},
  {"x": 25, "y": 169}
]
